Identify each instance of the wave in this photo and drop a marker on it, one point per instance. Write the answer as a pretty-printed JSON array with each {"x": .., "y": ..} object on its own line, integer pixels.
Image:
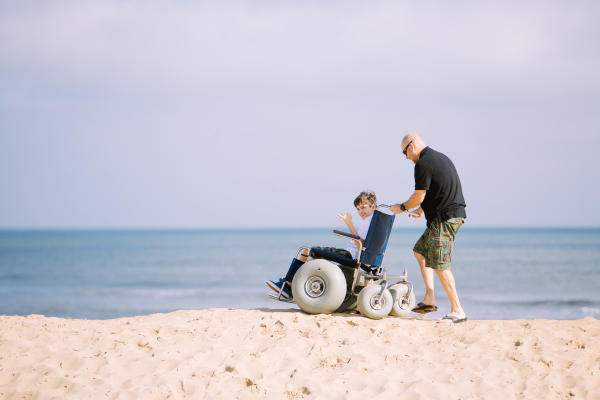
[
  {"x": 14, "y": 276},
  {"x": 590, "y": 311}
]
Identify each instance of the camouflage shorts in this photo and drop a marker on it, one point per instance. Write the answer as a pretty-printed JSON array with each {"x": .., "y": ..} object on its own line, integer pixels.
[{"x": 436, "y": 243}]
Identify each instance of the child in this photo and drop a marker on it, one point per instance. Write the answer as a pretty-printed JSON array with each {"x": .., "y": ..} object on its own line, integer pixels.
[{"x": 365, "y": 204}]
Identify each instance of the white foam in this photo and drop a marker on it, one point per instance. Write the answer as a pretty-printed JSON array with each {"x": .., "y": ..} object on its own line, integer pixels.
[{"x": 590, "y": 311}]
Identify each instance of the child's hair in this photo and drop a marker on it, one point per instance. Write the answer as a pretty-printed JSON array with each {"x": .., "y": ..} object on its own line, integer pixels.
[{"x": 365, "y": 197}]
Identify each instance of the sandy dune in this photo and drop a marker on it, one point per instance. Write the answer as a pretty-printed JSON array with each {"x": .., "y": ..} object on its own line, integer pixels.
[{"x": 228, "y": 354}]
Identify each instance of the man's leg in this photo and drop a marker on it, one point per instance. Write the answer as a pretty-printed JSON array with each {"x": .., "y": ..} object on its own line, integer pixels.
[
  {"x": 427, "y": 279},
  {"x": 447, "y": 279}
]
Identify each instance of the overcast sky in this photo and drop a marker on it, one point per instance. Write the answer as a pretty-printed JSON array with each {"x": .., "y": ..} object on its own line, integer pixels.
[{"x": 277, "y": 113}]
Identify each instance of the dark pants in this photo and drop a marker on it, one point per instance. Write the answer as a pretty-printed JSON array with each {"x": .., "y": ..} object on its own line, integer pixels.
[{"x": 296, "y": 264}]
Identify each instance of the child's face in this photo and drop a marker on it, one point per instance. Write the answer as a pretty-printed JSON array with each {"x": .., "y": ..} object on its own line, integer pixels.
[{"x": 365, "y": 210}]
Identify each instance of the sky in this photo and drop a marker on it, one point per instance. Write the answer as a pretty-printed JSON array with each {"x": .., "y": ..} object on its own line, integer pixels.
[{"x": 200, "y": 114}]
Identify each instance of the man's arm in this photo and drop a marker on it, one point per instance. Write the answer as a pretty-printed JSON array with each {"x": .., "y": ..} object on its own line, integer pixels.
[{"x": 414, "y": 201}]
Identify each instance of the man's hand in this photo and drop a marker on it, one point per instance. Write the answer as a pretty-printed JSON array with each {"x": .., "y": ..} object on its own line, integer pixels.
[
  {"x": 346, "y": 217},
  {"x": 418, "y": 213},
  {"x": 396, "y": 209}
]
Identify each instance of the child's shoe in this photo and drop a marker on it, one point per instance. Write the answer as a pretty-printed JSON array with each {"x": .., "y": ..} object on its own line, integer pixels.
[{"x": 276, "y": 286}]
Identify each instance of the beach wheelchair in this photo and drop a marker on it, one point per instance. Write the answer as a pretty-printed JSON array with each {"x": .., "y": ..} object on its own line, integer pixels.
[{"x": 328, "y": 283}]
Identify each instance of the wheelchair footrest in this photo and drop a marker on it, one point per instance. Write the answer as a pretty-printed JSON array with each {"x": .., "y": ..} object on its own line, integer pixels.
[{"x": 276, "y": 297}]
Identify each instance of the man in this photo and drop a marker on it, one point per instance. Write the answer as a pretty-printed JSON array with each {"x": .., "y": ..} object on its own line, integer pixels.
[{"x": 438, "y": 194}]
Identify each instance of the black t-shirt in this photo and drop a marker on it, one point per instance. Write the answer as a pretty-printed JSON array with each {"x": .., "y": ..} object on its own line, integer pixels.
[{"x": 435, "y": 173}]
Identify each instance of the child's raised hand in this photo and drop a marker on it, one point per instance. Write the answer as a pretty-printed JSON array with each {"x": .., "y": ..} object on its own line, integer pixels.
[{"x": 346, "y": 217}]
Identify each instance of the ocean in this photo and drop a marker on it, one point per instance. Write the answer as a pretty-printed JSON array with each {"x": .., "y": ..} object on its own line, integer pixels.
[{"x": 98, "y": 274}]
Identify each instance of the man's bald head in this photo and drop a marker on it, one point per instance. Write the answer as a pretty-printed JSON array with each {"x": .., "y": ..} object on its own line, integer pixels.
[
  {"x": 411, "y": 145},
  {"x": 415, "y": 138}
]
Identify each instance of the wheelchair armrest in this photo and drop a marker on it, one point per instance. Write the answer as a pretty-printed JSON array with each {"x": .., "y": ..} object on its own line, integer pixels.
[{"x": 345, "y": 234}]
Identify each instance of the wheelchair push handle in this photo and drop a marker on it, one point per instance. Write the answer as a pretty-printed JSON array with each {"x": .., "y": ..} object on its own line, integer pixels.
[{"x": 389, "y": 206}]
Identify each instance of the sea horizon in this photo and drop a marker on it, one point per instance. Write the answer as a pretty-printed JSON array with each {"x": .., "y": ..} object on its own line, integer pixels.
[{"x": 287, "y": 228}]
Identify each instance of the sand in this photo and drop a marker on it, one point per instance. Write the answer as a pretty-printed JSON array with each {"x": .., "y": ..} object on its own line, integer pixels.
[{"x": 274, "y": 354}]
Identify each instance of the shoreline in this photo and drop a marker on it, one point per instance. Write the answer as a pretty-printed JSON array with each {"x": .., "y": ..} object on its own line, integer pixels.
[{"x": 287, "y": 354}]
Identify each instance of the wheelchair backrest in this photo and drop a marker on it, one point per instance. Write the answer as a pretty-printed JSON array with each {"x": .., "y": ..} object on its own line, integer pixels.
[{"x": 377, "y": 238}]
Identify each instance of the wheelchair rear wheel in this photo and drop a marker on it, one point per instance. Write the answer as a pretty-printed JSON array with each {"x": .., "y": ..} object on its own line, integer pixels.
[
  {"x": 404, "y": 302},
  {"x": 374, "y": 304},
  {"x": 319, "y": 287}
]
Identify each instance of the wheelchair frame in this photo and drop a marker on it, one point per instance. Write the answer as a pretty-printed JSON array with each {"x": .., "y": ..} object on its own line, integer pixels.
[{"x": 360, "y": 276}]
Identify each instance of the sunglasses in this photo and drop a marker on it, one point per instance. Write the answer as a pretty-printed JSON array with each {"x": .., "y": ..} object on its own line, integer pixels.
[{"x": 406, "y": 148}]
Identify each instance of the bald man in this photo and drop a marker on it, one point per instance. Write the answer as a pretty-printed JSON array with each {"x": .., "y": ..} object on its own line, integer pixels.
[{"x": 438, "y": 195}]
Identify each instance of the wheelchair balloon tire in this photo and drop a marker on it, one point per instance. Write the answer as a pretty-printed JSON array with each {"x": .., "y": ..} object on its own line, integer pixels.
[
  {"x": 374, "y": 305},
  {"x": 319, "y": 287},
  {"x": 402, "y": 307}
]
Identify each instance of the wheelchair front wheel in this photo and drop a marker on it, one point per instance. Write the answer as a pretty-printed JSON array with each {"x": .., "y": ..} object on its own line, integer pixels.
[
  {"x": 404, "y": 302},
  {"x": 319, "y": 287},
  {"x": 374, "y": 304}
]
